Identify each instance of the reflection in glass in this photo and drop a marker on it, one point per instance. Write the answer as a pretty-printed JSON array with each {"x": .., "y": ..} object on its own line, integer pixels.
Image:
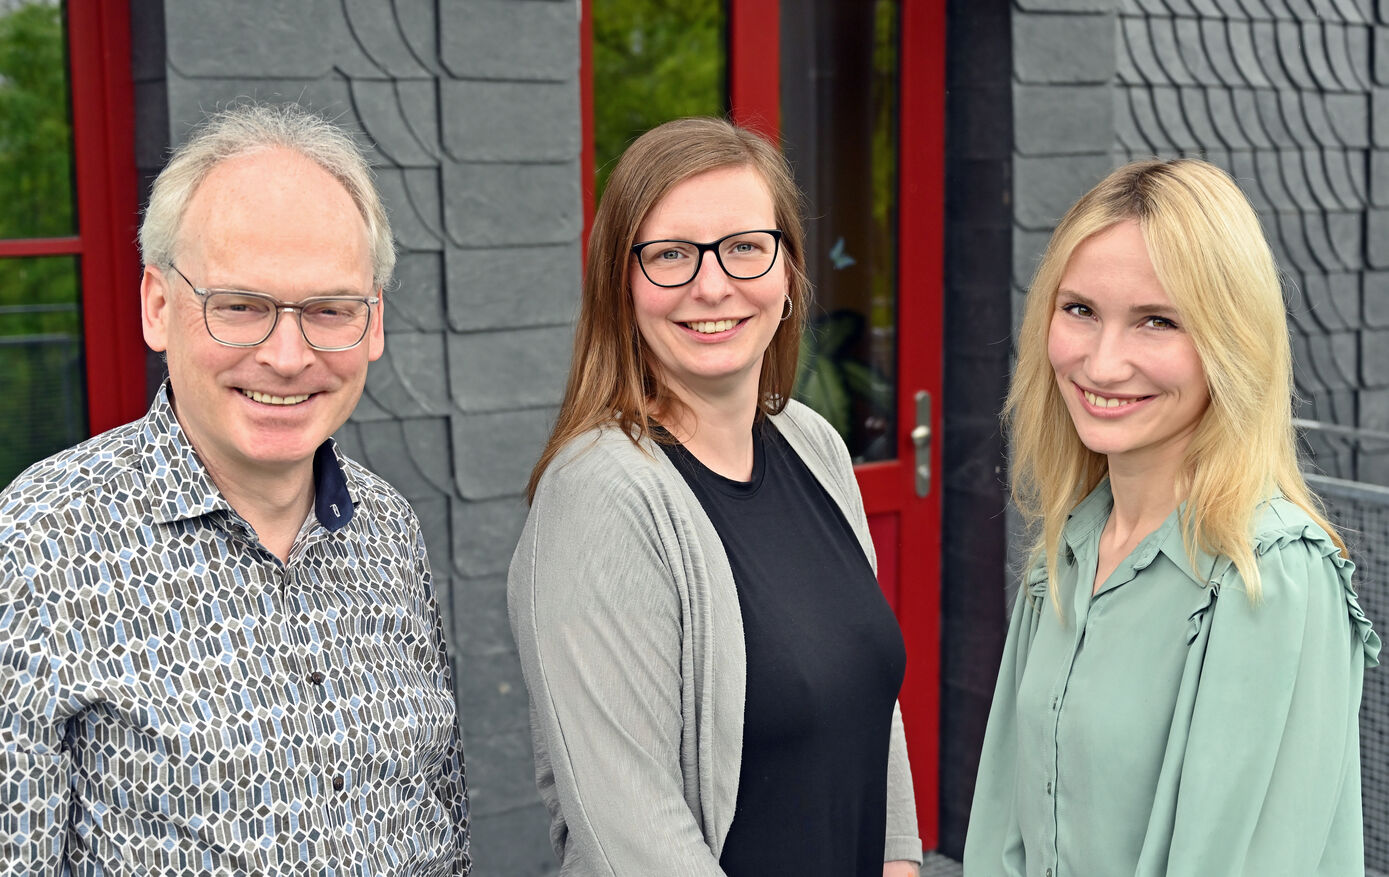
[
  {"x": 653, "y": 61},
  {"x": 36, "y": 188},
  {"x": 839, "y": 96},
  {"x": 42, "y": 387}
]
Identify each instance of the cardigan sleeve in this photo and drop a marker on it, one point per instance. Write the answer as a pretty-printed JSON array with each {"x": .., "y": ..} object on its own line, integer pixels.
[
  {"x": 993, "y": 843},
  {"x": 1270, "y": 777},
  {"x": 597, "y": 618}
]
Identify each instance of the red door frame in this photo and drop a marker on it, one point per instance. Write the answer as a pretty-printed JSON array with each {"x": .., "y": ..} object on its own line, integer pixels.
[
  {"x": 754, "y": 86},
  {"x": 103, "y": 123},
  {"x": 103, "y": 142}
]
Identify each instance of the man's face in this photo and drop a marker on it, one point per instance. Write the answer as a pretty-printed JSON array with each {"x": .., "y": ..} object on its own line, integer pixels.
[{"x": 271, "y": 222}]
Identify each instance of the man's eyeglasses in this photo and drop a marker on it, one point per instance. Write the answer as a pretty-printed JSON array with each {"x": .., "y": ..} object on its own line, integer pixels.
[
  {"x": 237, "y": 318},
  {"x": 744, "y": 255}
]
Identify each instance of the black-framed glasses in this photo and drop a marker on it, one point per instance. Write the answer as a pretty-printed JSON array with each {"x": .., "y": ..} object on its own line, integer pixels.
[
  {"x": 743, "y": 255},
  {"x": 238, "y": 318}
]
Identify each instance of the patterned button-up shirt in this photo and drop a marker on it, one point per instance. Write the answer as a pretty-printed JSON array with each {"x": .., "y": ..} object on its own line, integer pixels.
[{"x": 175, "y": 699}]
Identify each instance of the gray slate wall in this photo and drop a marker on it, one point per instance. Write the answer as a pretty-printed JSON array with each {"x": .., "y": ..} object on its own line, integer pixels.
[{"x": 473, "y": 110}]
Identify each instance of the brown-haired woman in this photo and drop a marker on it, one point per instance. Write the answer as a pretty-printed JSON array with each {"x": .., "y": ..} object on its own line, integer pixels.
[{"x": 712, "y": 668}]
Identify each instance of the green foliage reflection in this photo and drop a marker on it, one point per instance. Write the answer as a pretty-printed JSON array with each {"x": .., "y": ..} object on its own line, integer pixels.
[
  {"x": 41, "y": 393},
  {"x": 653, "y": 61}
]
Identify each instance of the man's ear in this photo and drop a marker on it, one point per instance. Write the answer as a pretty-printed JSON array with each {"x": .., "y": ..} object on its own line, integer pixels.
[
  {"x": 376, "y": 335},
  {"x": 155, "y": 308}
]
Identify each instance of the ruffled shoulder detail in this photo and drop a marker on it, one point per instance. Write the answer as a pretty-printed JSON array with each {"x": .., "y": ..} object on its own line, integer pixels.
[
  {"x": 1035, "y": 584},
  {"x": 1284, "y": 532},
  {"x": 1199, "y": 614}
]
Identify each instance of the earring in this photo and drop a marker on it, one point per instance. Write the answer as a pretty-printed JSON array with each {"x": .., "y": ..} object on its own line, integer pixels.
[{"x": 789, "y": 308}]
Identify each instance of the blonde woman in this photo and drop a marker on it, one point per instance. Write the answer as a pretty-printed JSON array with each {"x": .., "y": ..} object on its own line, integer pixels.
[
  {"x": 1181, "y": 681},
  {"x": 712, "y": 668}
]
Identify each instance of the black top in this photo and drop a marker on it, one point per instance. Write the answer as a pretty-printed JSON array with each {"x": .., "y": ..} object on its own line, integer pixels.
[{"x": 825, "y": 661}]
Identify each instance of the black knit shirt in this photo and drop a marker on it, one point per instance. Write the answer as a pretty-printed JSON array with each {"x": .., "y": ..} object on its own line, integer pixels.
[{"x": 825, "y": 660}]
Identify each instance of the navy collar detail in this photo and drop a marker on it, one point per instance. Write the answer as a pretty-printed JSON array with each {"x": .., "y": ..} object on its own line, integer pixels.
[{"x": 332, "y": 504}]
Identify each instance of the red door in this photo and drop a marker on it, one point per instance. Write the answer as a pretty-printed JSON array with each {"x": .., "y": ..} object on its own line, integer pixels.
[
  {"x": 855, "y": 90},
  {"x": 899, "y": 478}
]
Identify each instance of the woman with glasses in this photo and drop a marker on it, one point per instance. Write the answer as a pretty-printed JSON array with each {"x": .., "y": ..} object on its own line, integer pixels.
[
  {"x": 1181, "y": 680},
  {"x": 713, "y": 670}
]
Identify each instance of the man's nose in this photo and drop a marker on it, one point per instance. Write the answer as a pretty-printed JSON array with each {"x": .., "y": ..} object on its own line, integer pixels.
[{"x": 285, "y": 350}]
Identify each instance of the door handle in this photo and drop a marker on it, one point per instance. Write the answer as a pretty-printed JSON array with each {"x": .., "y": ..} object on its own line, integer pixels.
[{"x": 921, "y": 440}]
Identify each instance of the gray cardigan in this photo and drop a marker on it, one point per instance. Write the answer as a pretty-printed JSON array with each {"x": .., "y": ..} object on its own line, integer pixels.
[{"x": 631, "y": 640}]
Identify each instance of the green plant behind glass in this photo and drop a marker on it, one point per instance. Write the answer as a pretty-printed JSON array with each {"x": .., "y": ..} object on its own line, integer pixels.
[
  {"x": 830, "y": 377},
  {"x": 41, "y": 396},
  {"x": 653, "y": 61}
]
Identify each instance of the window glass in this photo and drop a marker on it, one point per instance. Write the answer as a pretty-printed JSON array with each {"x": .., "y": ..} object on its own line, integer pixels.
[
  {"x": 653, "y": 61},
  {"x": 839, "y": 95},
  {"x": 36, "y": 188},
  {"x": 42, "y": 387},
  {"x": 42, "y": 392}
]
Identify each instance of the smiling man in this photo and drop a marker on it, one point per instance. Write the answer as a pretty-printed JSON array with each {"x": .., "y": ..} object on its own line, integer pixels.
[{"x": 220, "y": 650}]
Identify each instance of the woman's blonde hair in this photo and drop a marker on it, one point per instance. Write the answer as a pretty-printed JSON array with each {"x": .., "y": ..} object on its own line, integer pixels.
[
  {"x": 614, "y": 378},
  {"x": 1211, "y": 257}
]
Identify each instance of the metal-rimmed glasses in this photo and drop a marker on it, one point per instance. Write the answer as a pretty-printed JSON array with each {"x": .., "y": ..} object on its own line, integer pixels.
[
  {"x": 743, "y": 255},
  {"x": 239, "y": 318}
]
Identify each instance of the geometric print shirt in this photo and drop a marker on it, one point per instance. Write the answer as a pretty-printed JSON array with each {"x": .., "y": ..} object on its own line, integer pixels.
[{"x": 176, "y": 700}]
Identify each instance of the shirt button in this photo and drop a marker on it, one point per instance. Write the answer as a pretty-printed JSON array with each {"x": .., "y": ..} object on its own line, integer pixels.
[
  {"x": 317, "y": 677},
  {"x": 1048, "y": 872},
  {"x": 1053, "y": 703},
  {"x": 1048, "y": 788},
  {"x": 337, "y": 784}
]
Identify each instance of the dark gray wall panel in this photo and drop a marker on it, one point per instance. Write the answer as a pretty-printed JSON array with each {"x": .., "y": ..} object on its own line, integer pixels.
[
  {"x": 483, "y": 286},
  {"x": 521, "y": 39}
]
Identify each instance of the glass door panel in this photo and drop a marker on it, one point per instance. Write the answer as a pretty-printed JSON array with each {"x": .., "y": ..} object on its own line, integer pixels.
[
  {"x": 839, "y": 98},
  {"x": 653, "y": 61}
]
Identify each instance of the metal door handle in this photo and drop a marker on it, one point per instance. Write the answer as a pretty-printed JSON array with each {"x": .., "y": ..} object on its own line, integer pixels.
[{"x": 921, "y": 439}]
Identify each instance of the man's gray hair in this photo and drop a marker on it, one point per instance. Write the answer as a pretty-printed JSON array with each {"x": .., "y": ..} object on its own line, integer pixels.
[{"x": 249, "y": 128}]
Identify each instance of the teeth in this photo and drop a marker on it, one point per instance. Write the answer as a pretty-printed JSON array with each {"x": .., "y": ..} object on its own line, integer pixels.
[
  {"x": 709, "y": 327},
  {"x": 268, "y": 399},
  {"x": 1104, "y": 402}
]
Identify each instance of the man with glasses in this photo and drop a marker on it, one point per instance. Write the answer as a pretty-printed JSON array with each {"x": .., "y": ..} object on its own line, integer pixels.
[{"x": 220, "y": 650}]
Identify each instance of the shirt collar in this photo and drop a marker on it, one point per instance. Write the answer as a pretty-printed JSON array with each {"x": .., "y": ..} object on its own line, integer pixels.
[
  {"x": 1091, "y": 513},
  {"x": 331, "y": 502},
  {"x": 179, "y": 486}
]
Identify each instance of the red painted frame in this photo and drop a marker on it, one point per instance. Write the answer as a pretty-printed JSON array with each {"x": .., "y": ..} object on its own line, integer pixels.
[
  {"x": 921, "y": 261},
  {"x": 754, "y": 65},
  {"x": 588, "y": 175},
  {"x": 103, "y": 101}
]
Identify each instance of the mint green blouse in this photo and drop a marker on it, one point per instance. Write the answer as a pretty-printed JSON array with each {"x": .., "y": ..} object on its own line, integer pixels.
[{"x": 1167, "y": 726}]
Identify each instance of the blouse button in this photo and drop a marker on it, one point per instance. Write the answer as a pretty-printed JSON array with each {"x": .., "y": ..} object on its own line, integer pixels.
[
  {"x": 317, "y": 677},
  {"x": 1048, "y": 788},
  {"x": 1048, "y": 872},
  {"x": 337, "y": 784}
]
